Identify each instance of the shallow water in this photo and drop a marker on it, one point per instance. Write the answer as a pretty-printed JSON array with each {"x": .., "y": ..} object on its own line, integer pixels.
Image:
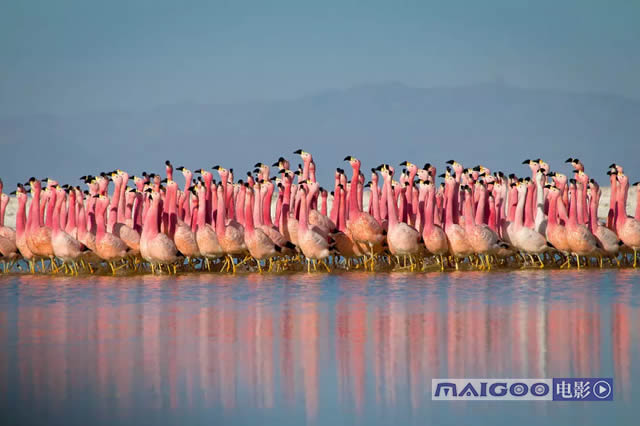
[{"x": 323, "y": 349}]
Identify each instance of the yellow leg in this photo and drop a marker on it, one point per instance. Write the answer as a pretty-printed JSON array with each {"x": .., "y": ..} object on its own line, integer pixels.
[
  {"x": 541, "y": 262},
  {"x": 578, "y": 259}
]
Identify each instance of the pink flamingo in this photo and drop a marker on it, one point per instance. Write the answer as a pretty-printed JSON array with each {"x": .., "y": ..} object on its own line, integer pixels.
[
  {"x": 108, "y": 247},
  {"x": 605, "y": 236},
  {"x": 403, "y": 240},
  {"x": 258, "y": 243},
  {"x": 65, "y": 247},
  {"x": 525, "y": 238},
  {"x": 364, "y": 228},
  {"x": 156, "y": 247},
  {"x": 230, "y": 233},
  {"x": 38, "y": 236},
  {"x": 206, "y": 237},
  {"x": 556, "y": 232},
  {"x": 435, "y": 240},
  {"x": 21, "y": 222},
  {"x": 580, "y": 239},
  {"x": 628, "y": 228},
  {"x": 481, "y": 238},
  {"x": 314, "y": 246},
  {"x": 459, "y": 246}
]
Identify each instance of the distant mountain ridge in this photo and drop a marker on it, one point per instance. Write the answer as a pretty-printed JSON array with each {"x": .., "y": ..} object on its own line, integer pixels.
[{"x": 490, "y": 124}]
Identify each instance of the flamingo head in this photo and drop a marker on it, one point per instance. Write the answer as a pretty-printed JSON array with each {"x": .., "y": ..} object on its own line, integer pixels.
[{"x": 355, "y": 163}]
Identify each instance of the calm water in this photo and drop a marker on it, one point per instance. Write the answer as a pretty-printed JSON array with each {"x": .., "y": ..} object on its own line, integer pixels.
[{"x": 318, "y": 349}]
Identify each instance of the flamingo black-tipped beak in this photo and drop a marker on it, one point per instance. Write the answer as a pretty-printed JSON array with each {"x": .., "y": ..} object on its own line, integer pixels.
[
  {"x": 255, "y": 171},
  {"x": 612, "y": 165},
  {"x": 569, "y": 160},
  {"x": 404, "y": 163},
  {"x": 348, "y": 158},
  {"x": 442, "y": 175},
  {"x": 14, "y": 192},
  {"x": 216, "y": 167},
  {"x": 257, "y": 165},
  {"x": 476, "y": 169},
  {"x": 276, "y": 164},
  {"x": 527, "y": 161},
  {"x": 297, "y": 151},
  {"x": 426, "y": 166},
  {"x": 181, "y": 168},
  {"x": 450, "y": 162},
  {"x": 44, "y": 179},
  {"x": 635, "y": 183}
]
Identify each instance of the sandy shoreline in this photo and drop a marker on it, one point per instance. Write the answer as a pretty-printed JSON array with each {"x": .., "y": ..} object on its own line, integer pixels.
[{"x": 603, "y": 209}]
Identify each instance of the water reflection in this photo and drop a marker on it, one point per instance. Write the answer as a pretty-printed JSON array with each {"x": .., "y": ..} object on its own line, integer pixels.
[{"x": 304, "y": 344}]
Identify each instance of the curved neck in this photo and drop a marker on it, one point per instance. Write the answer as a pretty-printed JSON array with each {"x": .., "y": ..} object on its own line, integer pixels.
[
  {"x": 573, "y": 214},
  {"x": 256, "y": 212},
  {"x": 20, "y": 215},
  {"x": 248, "y": 210},
  {"x": 429, "y": 209},
  {"x": 391, "y": 203},
  {"x": 553, "y": 210},
  {"x": 151, "y": 221},
  {"x": 480, "y": 209},
  {"x": 593, "y": 211},
  {"x": 353, "y": 192},
  {"x": 528, "y": 212},
  {"x": 221, "y": 220},
  {"x": 266, "y": 206},
  {"x": 520, "y": 209}
]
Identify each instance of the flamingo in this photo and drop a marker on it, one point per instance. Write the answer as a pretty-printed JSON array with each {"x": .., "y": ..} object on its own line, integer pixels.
[
  {"x": 260, "y": 246},
  {"x": 435, "y": 240},
  {"x": 314, "y": 246},
  {"x": 628, "y": 228},
  {"x": 403, "y": 240},
  {"x": 206, "y": 237},
  {"x": 156, "y": 247},
  {"x": 364, "y": 227},
  {"x": 481, "y": 238},
  {"x": 65, "y": 247},
  {"x": 556, "y": 233},
  {"x": 581, "y": 241},
  {"x": 459, "y": 246},
  {"x": 523, "y": 237},
  {"x": 230, "y": 233},
  {"x": 607, "y": 238},
  {"x": 108, "y": 247},
  {"x": 38, "y": 236}
]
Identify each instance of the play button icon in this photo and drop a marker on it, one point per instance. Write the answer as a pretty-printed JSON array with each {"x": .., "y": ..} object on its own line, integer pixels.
[{"x": 602, "y": 389}]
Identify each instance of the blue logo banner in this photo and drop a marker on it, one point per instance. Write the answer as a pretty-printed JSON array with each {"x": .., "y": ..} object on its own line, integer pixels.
[{"x": 583, "y": 389}]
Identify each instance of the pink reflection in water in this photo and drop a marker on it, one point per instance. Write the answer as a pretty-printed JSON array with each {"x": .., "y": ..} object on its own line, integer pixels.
[{"x": 197, "y": 342}]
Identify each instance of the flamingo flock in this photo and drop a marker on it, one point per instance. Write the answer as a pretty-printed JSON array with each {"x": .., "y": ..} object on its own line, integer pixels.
[{"x": 472, "y": 219}]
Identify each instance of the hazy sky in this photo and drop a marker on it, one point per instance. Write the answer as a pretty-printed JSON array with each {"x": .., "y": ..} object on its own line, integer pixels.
[{"x": 66, "y": 56}]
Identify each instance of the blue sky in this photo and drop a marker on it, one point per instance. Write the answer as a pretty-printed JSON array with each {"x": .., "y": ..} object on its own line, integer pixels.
[{"x": 68, "y": 56}]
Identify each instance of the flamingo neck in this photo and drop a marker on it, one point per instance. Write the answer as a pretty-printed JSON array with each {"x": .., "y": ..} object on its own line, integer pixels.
[
  {"x": 55, "y": 223},
  {"x": 221, "y": 220},
  {"x": 573, "y": 214},
  {"x": 266, "y": 206},
  {"x": 553, "y": 210},
  {"x": 593, "y": 211},
  {"x": 201, "y": 214},
  {"x": 353, "y": 192},
  {"x": 303, "y": 220},
  {"x": 480, "y": 209},
  {"x": 469, "y": 221},
  {"x": 257, "y": 206},
  {"x": 20, "y": 216},
  {"x": 429, "y": 210},
  {"x": 519, "y": 215},
  {"x": 528, "y": 211},
  {"x": 580, "y": 204},
  {"x": 391, "y": 204},
  {"x": 248, "y": 211},
  {"x": 151, "y": 224},
  {"x": 240, "y": 205},
  {"x": 340, "y": 202}
]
